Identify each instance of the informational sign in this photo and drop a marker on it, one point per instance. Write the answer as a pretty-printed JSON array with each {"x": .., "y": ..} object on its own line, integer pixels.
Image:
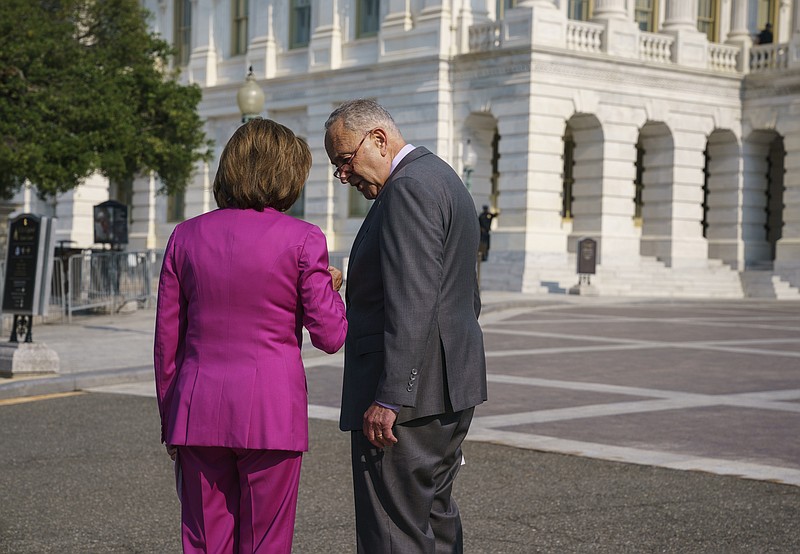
[
  {"x": 111, "y": 223},
  {"x": 587, "y": 256},
  {"x": 29, "y": 265}
]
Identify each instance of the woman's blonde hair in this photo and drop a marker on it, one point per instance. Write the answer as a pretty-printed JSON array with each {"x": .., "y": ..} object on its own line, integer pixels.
[{"x": 263, "y": 165}]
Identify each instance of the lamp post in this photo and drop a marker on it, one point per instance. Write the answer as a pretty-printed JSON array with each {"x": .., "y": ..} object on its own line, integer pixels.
[
  {"x": 470, "y": 157},
  {"x": 250, "y": 98}
]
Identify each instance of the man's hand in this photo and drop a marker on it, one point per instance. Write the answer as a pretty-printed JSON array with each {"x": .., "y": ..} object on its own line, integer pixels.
[
  {"x": 336, "y": 275},
  {"x": 378, "y": 422}
]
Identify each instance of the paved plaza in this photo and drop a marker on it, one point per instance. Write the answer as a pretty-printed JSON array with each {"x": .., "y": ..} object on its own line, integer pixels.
[{"x": 577, "y": 385}]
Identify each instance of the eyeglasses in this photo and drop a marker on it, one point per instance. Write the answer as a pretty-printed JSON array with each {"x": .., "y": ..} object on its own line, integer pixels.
[{"x": 348, "y": 165}]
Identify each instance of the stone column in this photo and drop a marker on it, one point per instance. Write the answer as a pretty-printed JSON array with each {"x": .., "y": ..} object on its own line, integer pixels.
[
  {"x": 540, "y": 20},
  {"x": 325, "y": 49},
  {"x": 621, "y": 36},
  {"x": 142, "y": 232},
  {"x": 691, "y": 46},
  {"x": 795, "y": 24},
  {"x": 724, "y": 199},
  {"x": 203, "y": 61},
  {"x": 787, "y": 254},
  {"x": 680, "y": 15},
  {"x": 609, "y": 9},
  {"x": 739, "y": 34},
  {"x": 688, "y": 247},
  {"x": 262, "y": 52}
]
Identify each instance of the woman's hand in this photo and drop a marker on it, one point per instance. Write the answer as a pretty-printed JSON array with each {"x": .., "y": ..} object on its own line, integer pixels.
[
  {"x": 172, "y": 451},
  {"x": 336, "y": 275}
]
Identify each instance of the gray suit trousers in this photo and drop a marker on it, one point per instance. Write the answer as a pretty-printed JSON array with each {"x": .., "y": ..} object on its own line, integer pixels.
[{"x": 403, "y": 493}]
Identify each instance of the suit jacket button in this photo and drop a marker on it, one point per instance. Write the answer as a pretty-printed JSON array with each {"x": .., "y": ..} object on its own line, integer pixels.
[
  {"x": 408, "y": 388},
  {"x": 413, "y": 371}
]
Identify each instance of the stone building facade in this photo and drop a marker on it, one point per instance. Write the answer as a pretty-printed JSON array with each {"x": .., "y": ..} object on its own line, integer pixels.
[{"x": 658, "y": 128}]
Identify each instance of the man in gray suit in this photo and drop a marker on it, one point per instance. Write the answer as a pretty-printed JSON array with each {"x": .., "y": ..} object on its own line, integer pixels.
[{"x": 414, "y": 359}]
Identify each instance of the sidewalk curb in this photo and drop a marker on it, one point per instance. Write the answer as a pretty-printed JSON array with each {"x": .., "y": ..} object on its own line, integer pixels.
[{"x": 74, "y": 381}]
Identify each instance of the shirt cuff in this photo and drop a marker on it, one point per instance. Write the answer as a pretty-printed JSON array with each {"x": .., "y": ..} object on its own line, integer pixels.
[{"x": 390, "y": 406}]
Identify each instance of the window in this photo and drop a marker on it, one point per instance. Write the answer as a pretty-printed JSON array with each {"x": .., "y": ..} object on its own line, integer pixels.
[
  {"x": 707, "y": 18},
  {"x": 176, "y": 206},
  {"x": 580, "y": 9},
  {"x": 300, "y": 24},
  {"x": 239, "y": 14},
  {"x": 767, "y": 13},
  {"x": 645, "y": 14},
  {"x": 183, "y": 31},
  {"x": 367, "y": 18},
  {"x": 503, "y": 5},
  {"x": 357, "y": 205}
]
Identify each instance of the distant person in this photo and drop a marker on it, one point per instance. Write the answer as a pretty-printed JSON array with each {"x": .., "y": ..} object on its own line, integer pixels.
[
  {"x": 485, "y": 222},
  {"x": 765, "y": 36},
  {"x": 414, "y": 366},
  {"x": 237, "y": 286}
]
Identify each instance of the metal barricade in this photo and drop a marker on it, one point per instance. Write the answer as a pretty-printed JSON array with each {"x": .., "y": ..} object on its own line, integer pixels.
[{"x": 109, "y": 280}]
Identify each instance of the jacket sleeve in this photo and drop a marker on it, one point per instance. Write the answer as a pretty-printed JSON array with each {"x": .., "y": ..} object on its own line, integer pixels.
[
  {"x": 323, "y": 308},
  {"x": 413, "y": 233},
  {"x": 169, "y": 331}
]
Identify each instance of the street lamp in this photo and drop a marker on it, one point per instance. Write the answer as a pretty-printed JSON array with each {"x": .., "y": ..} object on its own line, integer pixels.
[
  {"x": 470, "y": 158},
  {"x": 250, "y": 98}
]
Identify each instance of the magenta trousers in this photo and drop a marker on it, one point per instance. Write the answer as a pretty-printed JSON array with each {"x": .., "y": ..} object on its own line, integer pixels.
[{"x": 237, "y": 500}]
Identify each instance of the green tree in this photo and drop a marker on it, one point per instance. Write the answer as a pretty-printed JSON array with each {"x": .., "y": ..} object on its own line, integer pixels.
[{"x": 86, "y": 87}]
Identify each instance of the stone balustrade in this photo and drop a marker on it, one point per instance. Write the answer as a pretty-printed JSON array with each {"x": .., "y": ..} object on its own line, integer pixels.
[
  {"x": 584, "y": 36},
  {"x": 656, "y": 48},
  {"x": 723, "y": 57},
  {"x": 484, "y": 37},
  {"x": 588, "y": 37},
  {"x": 768, "y": 57}
]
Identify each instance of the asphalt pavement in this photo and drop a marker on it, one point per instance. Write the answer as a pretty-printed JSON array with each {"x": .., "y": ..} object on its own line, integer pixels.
[{"x": 613, "y": 425}]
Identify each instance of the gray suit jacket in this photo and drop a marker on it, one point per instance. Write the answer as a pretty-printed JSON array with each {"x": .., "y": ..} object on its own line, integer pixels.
[{"x": 412, "y": 298}]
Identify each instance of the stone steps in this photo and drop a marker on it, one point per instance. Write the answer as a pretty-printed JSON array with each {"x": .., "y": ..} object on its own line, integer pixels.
[
  {"x": 651, "y": 278},
  {"x": 765, "y": 284}
]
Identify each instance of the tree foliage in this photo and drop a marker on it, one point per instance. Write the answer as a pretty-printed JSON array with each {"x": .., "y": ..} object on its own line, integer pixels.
[{"x": 86, "y": 87}]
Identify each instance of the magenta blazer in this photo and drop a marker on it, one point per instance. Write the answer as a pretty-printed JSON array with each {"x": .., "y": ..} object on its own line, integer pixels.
[{"x": 236, "y": 288}]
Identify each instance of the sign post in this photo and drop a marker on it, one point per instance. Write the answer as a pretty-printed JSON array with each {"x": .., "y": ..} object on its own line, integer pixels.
[
  {"x": 26, "y": 293},
  {"x": 587, "y": 265}
]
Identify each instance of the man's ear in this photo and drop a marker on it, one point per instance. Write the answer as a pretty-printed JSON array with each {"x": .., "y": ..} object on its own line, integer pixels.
[{"x": 381, "y": 140}]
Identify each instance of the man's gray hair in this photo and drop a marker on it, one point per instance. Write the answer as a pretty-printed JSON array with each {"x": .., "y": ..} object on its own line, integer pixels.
[{"x": 361, "y": 115}]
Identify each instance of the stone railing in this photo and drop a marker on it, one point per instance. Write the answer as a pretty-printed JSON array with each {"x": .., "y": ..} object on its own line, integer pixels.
[
  {"x": 767, "y": 57},
  {"x": 584, "y": 37},
  {"x": 486, "y": 36},
  {"x": 588, "y": 37},
  {"x": 654, "y": 47},
  {"x": 723, "y": 57}
]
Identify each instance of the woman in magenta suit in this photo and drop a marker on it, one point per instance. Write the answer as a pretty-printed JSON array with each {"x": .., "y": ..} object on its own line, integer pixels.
[{"x": 237, "y": 286}]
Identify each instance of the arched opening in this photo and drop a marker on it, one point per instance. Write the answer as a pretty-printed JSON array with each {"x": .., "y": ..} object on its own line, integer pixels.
[
  {"x": 482, "y": 138},
  {"x": 762, "y": 198},
  {"x": 583, "y": 178},
  {"x": 653, "y": 194},
  {"x": 721, "y": 198}
]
